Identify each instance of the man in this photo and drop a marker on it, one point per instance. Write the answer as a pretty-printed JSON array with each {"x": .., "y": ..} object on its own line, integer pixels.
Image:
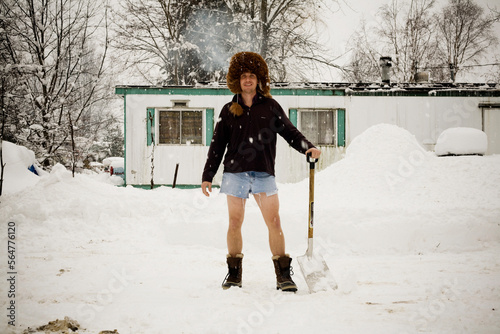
[{"x": 248, "y": 128}]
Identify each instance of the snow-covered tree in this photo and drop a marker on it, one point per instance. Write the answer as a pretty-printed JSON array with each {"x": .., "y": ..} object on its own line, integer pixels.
[
  {"x": 184, "y": 42},
  {"x": 58, "y": 71},
  {"x": 173, "y": 42}
]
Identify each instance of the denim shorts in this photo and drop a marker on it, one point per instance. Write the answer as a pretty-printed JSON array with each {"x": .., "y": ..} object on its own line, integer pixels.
[{"x": 242, "y": 184}]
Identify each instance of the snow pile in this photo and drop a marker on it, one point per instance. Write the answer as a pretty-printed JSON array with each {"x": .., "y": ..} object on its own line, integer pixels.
[
  {"x": 411, "y": 239},
  {"x": 18, "y": 160},
  {"x": 461, "y": 141},
  {"x": 380, "y": 161}
]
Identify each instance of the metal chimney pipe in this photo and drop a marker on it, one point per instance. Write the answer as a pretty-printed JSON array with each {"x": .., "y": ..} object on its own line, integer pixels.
[{"x": 385, "y": 69}]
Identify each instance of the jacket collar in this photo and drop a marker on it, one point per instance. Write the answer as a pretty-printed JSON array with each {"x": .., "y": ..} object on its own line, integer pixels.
[
  {"x": 237, "y": 105},
  {"x": 258, "y": 98}
]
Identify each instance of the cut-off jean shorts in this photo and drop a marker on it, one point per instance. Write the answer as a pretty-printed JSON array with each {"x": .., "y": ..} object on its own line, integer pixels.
[{"x": 242, "y": 184}]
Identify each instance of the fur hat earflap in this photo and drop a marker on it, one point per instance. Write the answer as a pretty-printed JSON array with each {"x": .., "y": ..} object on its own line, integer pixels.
[
  {"x": 252, "y": 62},
  {"x": 236, "y": 109}
]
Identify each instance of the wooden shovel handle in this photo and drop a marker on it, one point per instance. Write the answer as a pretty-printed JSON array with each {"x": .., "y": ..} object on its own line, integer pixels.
[{"x": 312, "y": 163}]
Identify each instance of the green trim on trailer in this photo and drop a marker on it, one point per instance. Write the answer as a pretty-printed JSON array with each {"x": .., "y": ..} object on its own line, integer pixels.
[
  {"x": 340, "y": 127},
  {"x": 171, "y": 91},
  {"x": 292, "y": 115},
  {"x": 307, "y": 92},
  {"x": 209, "y": 125},
  {"x": 150, "y": 124},
  {"x": 223, "y": 91}
]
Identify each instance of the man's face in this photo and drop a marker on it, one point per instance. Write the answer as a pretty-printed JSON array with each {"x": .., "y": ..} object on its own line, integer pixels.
[{"x": 248, "y": 82}]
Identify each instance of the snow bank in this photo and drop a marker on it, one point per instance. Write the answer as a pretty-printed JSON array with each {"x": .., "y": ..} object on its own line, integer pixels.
[
  {"x": 17, "y": 160},
  {"x": 461, "y": 141},
  {"x": 388, "y": 182},
  {"x": 411, "y": 239}
]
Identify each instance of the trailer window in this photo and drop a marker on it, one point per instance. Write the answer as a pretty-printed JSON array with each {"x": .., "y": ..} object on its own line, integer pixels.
[
  {"x": 318, "y": 126},
  {"x": 181, "y": 127}
]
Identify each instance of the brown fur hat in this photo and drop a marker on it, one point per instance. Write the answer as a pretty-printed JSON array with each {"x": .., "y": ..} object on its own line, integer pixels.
[{"x": 243, "y": 62}]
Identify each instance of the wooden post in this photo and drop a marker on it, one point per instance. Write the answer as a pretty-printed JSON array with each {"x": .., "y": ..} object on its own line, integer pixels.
[{"x": 175, "y": 175}]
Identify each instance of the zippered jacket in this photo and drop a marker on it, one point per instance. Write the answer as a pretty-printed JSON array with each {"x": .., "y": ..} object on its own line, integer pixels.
[{"x": 249, "y": 140}]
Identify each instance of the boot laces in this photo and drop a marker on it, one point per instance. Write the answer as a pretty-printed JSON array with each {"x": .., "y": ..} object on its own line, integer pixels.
[
  {"x": 232, "y": 272},
  {"x": 287, "y": 272}
]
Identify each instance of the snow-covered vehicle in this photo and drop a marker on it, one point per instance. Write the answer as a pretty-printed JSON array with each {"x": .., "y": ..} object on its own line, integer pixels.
[
  {"x": 21, "y": 167},
  {"x": 115, "y": 166},
  {"x": 461, "y": 141}
]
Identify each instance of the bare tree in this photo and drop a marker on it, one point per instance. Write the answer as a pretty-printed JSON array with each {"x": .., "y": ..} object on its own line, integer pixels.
[
  {"x": 60, "y": 71},
  {"x": 408, "y": 36},
  {"x": 176, "y": 39},
  {"x": 466, "y": 32},
  {"x": 417, "y": 39},
  {"x": 404, "y": 32},
  {"x": 363, "y": 65}
]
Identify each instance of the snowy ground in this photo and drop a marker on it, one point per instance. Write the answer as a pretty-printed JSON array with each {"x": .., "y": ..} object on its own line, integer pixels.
[{"x": 413, "y": 241}]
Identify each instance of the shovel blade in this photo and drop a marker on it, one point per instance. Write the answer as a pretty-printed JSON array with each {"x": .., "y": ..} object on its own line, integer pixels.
[{"x": 316, "y": 273}]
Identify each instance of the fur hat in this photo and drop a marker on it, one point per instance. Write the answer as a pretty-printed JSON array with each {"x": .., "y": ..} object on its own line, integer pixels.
[{"x": 243, "y": 62}]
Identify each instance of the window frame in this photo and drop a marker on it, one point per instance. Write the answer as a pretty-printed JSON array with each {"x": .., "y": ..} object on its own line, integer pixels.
[
  {"x": 335, "y": 125},
  {"x": 180, "y": 109}
]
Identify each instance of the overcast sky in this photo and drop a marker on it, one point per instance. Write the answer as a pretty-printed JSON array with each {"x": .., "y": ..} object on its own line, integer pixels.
[{"x": 343, "y": 21}]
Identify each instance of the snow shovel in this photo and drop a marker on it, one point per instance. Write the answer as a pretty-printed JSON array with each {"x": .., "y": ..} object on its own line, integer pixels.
[{"x": 313, "y": 266}]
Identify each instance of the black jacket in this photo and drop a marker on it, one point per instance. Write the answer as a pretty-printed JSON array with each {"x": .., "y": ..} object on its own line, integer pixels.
[{"x": 250, "y": 139}]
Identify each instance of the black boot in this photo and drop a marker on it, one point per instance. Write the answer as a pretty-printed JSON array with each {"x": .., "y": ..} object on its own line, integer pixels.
[
  {"x": 283, "y": 273},
  {"x": 233, "y": 277}
]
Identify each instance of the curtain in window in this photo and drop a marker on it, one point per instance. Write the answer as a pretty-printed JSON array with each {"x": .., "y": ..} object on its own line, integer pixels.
[
  {"x": 326, "y": 133},
  {"x": 170, "y": 127},
  {"x": 191, "y": 127},
  {"x": 318, "y": 126},
  {"x": 308, "y": 125},
  {"x": 180, "y": 127}
]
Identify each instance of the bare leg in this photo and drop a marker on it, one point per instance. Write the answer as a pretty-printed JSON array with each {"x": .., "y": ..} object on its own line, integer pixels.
[
  {"x": 236, "y": 210},
  {"x": 269, "y": 206}
]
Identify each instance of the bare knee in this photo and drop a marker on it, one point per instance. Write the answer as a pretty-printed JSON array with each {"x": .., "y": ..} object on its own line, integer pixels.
[
  {"x": 235, "y": 223},
  {"x": 274, "y": 223}
]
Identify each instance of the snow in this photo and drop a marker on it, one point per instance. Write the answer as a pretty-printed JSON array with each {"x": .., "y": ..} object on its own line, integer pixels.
[
  {"x": 462, "y": 141},
  {"x": 411, "y": 239},
  {"x": 17, "y": 160}
]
